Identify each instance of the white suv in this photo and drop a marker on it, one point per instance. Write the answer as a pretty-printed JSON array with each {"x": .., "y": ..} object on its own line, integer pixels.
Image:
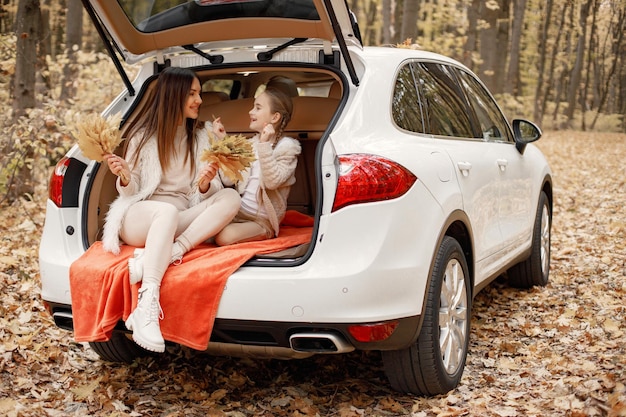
[{"x": 420, "y": 190}]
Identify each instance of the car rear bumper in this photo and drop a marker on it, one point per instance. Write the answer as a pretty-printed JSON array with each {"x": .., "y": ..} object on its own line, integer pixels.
[{"x": 360, "y": 272}]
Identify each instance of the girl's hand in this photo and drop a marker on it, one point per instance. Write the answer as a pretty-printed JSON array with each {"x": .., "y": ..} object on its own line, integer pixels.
[
  {"x": 218, "y": 128},
  {"x": 205, "y": 176},
  {"x": 268, "y": 134},
  {"x": 118, "y": 166}
]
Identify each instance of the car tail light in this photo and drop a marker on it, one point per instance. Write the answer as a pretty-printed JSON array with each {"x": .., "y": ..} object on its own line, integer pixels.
[
  {"x": 373, "y": 332},
  {"x": 65, "y": 182},
  {"x": 55, "y": 190},
  {"x": 366, "y": 178}
]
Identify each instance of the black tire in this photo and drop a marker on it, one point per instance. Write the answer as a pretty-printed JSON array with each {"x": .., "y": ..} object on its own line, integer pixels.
[
  {"x": 434, "y": 363},
  {"x": 536, "y": 269},
  {"x": 120, "y": 348}
]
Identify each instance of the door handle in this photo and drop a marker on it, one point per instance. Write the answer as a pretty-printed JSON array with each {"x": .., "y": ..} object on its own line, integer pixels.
[
  {"x": 502, "y": 164},
  {"x": 464, "y": 167}
]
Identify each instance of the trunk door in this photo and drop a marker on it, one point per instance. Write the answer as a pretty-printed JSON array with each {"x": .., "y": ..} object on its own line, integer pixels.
[{"x": 141, "y": 29}]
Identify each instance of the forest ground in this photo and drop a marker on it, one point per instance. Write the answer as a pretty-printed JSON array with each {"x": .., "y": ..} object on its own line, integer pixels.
[{"x": 558, "y": 350}]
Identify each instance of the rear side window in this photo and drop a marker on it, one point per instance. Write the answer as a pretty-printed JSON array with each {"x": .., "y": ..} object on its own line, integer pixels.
[
  {"x": 446, "y": 112},
  {"x": 492, "y": 123},
  {"x": 406, "y": 111}
]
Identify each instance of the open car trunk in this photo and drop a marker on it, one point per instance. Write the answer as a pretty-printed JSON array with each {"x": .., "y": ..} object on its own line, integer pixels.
[{"x": 229, "y": 93}]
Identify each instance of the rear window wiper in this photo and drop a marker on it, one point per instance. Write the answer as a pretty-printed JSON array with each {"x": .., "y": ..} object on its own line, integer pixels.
[
  {"x": 267, "y": 56},
  {"x": 214, "y": 59}
]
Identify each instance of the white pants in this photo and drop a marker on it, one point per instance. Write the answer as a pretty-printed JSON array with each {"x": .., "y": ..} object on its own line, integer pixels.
[{"x": 155, "y": 225}]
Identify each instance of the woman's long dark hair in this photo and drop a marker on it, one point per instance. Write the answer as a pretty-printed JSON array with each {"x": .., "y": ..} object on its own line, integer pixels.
[{"x": 164, "y": 111}]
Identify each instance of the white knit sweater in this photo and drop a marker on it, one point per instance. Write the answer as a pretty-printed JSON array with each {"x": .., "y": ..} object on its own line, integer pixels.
[{"x": 149, "y": 169}]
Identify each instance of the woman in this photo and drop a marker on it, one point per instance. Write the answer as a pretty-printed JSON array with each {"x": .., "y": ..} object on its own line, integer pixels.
[
  {"x": 169, "y": 201},
  {"x": 266, "y": 183}
]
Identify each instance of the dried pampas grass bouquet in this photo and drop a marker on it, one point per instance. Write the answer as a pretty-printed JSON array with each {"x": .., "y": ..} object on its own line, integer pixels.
[
  {"x": 232, "y": 154},
  {"x": 98, "y": 136}
]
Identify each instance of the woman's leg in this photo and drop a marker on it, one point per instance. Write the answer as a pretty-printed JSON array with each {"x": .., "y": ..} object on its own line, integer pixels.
[
  {"x": 240, "y": 232},
  {"x": 205, "y": 220},
  {"x": 151, "y": 224}
]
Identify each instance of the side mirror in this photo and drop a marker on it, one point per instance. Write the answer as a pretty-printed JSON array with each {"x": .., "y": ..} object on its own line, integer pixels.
[{"x": 525, "y": 132}]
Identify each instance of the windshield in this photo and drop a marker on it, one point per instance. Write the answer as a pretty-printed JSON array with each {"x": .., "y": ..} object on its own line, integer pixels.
[{"x": 155, "y": 15}]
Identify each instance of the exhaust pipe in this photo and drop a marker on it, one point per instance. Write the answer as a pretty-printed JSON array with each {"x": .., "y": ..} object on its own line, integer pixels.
[{"x": 319, "y": 343}]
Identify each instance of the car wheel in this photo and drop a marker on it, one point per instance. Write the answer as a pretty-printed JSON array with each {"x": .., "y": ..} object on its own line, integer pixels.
[
  {"x": 434, "y": 363},
  {"x": 119, "y": 348},
  {"x": 536, "y": 269}
]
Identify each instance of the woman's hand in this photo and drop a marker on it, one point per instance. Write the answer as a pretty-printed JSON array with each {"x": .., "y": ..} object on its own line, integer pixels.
[
  {"x": 218, "y": 128},
  {"x": 119, "y": 167},
  {"x": 205, "y": 176},
  {"x": 268, "y": 134}
]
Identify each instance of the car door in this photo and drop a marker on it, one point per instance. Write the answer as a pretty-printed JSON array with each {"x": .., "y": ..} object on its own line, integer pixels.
[
  {"x": 515, "y": 202},
  {"x": 447, "y": 117}
]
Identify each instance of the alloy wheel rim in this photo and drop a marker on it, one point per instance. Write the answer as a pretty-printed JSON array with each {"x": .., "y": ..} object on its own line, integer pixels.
[
  {"x": 453, "y": 317},
  {"x": 545, "y": 240}
]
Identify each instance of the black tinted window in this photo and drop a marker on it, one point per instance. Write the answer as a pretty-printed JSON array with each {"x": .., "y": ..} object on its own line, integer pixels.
[
  {"x": 156, "y": 15},
  {"x": 405, "y": 105},
  {"x": 445, "y": 108},
  {"x": 492, "y": 123}
]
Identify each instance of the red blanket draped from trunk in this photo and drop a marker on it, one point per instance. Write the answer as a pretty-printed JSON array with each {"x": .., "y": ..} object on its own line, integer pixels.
[{"x": 190, "y": 292}]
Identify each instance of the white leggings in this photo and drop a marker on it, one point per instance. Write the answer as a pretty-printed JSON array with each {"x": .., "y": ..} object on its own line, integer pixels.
[{"x": 156, "y": 225}]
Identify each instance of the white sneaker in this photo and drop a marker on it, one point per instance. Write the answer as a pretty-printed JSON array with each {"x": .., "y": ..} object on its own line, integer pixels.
[
  {"x": 144, "y": 320},
  {"x": 135, "y": 266}
]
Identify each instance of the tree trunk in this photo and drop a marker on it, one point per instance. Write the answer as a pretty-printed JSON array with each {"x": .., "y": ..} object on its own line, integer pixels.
[
  {"x": 388, "y": 24},
  {"x": 513, "y": 86},
  {"x": 73, "y": 41},
  {"x": 470, "y": 47},
  {"x": 541, "y": 63},
  {"x": 27, "y": 28},
  {"x": 592, "y": 51},
  {"x": 488, "y": 39},
  {"x": 567, "y": 50},
  {"x": 410, "y": 11},
  {"x": 618, "y": 45},
  {"x": 45, "y": 47},
  {"x": 576, "y": 75}
]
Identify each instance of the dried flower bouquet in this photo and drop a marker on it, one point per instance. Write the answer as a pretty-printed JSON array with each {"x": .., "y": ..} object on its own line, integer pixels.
[{"x": 233, "y": 154}]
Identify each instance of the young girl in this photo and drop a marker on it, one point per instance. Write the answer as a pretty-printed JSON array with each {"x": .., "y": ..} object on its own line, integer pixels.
[
  {"x": 169, "y": 201},
  {"x": 267, "y": 182}
]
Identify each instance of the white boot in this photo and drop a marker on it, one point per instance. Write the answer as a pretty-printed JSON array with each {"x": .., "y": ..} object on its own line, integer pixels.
[
  {"x": 144, "y": 320},
  {"x": 135, "y": 266}
]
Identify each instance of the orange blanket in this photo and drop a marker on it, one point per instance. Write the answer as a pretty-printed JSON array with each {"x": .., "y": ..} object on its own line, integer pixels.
[{"x": 190, "y": 292}]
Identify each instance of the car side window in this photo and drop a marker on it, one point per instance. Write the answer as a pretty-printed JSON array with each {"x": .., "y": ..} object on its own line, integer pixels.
[
  {"x": 492, "y": 123},
  {"x": 405, "y": 106},
  {"x": 446, "y": 111}
]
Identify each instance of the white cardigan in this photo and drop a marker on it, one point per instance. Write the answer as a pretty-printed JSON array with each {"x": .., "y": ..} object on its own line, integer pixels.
[{"x": 149, "y": 169}]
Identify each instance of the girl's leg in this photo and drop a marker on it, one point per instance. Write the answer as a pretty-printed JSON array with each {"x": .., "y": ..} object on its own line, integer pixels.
[
  {"x": 205, "y": 220},
  {"x": 240, "y": 232}
]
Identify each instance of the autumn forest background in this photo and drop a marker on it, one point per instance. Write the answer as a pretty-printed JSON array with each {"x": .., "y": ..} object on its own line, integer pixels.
[
  {"x": 558, "y": 350},
  {"x": 560, "y": 63}
]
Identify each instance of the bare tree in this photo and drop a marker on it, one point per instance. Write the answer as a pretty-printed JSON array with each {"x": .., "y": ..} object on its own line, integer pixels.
[
  {"x": 576, "y": 74},
  {"x": 27, "y": 29},
  {"x": 410, "y": 10},
  {"x": 541, "y": 62},
  {"x": 618, "y": 45},
  {"x": 73, "y": 41},
  {"x": 388, "y": 24},
  {"x": 513, "y": 86},
  {"x": 471, "y": 42}
]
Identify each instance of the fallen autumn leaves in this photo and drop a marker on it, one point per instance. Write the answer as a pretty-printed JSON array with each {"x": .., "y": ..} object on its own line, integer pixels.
[{"x": 558, "y": 350}]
